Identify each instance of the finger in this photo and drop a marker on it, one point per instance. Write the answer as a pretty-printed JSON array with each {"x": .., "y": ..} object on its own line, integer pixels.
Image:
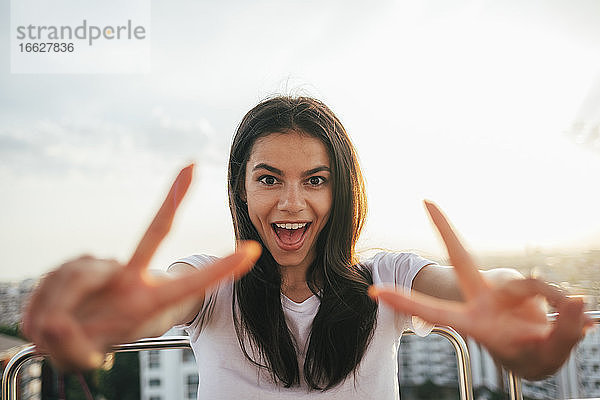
[
  {"x": 470, "y": 279},
  {"x": 567, "y": 331},
  {"x": 518, "y": 290},
  {"x": 84, "y": 280},
  {"x": 160, "y": 226},
  {"x": 571, "y": 321},
  {"x": 60, "y": 291},
  {"x": 431, "y": 309},
  {"x": 42, "y": 302},
  {"x": 71, "y": 350},
  {"x": 588, "y": 324},
  {"x": 197, "y": 282},
  {"x": 64, "y": 287}
]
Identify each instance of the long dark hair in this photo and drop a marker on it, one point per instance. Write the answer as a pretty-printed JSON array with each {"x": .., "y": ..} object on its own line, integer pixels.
[{"x": 345, "y": 321}]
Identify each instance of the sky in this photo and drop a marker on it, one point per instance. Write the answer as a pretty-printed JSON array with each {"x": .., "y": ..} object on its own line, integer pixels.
[{"x": 491, "y": 109}]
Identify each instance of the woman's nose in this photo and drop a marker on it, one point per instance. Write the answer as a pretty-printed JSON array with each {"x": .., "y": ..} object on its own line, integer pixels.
[{"x": 292, "y": 199}]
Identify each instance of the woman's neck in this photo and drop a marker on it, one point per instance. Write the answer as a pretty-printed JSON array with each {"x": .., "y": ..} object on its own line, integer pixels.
[{"x": 293, "y": 283}]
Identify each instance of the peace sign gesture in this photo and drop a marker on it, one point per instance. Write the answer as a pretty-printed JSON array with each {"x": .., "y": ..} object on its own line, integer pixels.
[
  {"x": 82, "y": 308},
  {"x": 508, "y": 319}
]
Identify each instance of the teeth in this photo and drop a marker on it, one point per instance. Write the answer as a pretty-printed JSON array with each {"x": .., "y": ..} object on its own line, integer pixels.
[{"x": 291, "y": 226}]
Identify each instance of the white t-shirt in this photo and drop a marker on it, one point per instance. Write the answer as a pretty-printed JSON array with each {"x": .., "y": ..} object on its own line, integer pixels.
[{"x": 225, "y": 373}]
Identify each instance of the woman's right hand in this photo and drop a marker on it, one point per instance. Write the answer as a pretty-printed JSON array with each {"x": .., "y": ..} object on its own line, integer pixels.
[
  {"x": 507, "y": 318},
  {"x": 86, "y": 305}
]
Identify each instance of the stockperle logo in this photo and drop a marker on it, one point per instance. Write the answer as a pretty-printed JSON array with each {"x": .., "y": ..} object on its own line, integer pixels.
[
  {"x": 85, "y": 31},
  {"x": 74, "y": 36}
]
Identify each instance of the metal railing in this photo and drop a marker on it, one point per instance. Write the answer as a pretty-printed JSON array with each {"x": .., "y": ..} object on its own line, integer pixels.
[
  {"x": 10, "y": 387},
  {"x": 463, "y": 360},
  {"x": 465, "y": 382}
]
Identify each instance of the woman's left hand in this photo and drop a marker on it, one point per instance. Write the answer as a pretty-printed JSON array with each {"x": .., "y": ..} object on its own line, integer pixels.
[{"x": 508, "y": 319}]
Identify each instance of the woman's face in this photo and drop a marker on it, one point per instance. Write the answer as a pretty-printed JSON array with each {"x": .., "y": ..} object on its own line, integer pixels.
[{"x": 289, "y": 194}]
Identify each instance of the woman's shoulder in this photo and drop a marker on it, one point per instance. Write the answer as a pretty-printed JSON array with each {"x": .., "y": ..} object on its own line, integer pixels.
[
  {"x": 392, "y": 259},
  {"x": 395, "y": 267},
  {"x": 196, "y": 260}
]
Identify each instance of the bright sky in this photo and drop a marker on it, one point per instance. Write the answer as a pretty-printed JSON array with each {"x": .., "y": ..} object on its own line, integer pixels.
[{"x": 467, "y": 103}]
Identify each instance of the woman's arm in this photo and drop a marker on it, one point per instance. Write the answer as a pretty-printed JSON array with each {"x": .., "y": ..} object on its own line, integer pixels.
[
  {"x": 441, "y": 281},
  {"x": 438, "y": 281}
]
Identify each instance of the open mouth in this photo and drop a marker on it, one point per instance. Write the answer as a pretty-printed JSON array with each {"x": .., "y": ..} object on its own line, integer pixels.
[{"x": 290, "y": 235}]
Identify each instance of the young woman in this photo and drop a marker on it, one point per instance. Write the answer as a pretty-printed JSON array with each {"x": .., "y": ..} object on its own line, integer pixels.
[{"x": 300, "y": 320}]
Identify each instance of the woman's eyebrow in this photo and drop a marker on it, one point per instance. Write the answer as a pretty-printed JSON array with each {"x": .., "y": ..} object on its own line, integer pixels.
[
  {"x": 280, "y": 172},
  {"x": 317, "y": 169},
  {"x": 268, "y": 168}
]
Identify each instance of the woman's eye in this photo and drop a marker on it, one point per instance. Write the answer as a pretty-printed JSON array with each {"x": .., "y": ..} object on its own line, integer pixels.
[
  {"x": 268, "y": 180},
  {"x": 316, "y": 180}
]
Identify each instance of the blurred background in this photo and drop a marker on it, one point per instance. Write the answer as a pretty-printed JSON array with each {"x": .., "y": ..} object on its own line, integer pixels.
[{"x": 489, "y": 108}]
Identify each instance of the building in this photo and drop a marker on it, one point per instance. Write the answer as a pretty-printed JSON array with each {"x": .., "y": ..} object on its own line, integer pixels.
[
  {"x": 431, "y": 358},
  {"x": 13, "y": 297},
  {"x": 483, "y": 368},
  {"x": 587, "y": 365},
  {"x": 168, "y": 374}
]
